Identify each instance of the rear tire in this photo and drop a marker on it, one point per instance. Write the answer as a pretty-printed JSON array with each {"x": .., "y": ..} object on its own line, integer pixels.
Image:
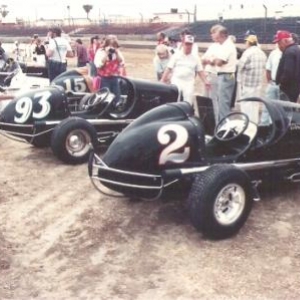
[
  {"x": 220, "y": 201},
  {"x": 71, "y": 140}
]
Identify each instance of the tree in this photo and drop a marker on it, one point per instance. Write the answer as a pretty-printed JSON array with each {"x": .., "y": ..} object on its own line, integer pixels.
[{"x": 87, "y": 8}]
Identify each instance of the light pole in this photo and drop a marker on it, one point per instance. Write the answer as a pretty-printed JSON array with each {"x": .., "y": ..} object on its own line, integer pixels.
[
  {"x": 69, "y": 15},
  {"x": 188, "y": 13},
  {"x": 142, "y": 17},
  {"x": 265, "y": 20}
]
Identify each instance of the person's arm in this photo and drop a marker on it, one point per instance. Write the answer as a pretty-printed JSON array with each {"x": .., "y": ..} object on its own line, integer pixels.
[
  {"x": 288, "y": 67},
  {"x": 166, "y": 75},
  {"x": 100, "y": 58},
  {"x": 201, "y": 73},
  {"x": 51, "y": 48},
  {"x": 268, "y": 76},
  {"x": 120, "y": 56},
  {"x": 70, "y": 52}
]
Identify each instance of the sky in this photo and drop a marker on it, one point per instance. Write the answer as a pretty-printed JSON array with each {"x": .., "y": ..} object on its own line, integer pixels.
[{"x": 36, "y": 9}]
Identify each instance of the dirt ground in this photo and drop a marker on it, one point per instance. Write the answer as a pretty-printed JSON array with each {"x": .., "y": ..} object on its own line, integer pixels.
[{"x": 61, "y": 239}]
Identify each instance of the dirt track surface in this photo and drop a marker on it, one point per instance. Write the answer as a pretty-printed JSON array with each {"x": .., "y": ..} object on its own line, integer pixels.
[{"x": 61, "y": 239}]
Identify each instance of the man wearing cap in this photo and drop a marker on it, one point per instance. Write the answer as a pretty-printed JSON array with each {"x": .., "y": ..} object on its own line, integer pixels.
[
  {"x": 183, "y": 66},
  {"x": 183, "y": 33},
  {"x": 57, "y": 51},
  {"x": 288, "y": 72},
  {"x": 251, "y": 70}
]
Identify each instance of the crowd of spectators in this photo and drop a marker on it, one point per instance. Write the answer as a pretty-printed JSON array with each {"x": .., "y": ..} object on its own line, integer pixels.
[{"x": 229, "y": 72}]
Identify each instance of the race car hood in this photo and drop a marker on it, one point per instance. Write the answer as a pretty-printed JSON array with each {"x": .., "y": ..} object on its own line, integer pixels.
[
  {"x": 50, "y": 103},
  {"x": 166, "y": 135}
]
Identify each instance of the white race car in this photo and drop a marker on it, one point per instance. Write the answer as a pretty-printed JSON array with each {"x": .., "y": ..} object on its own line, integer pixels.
[{"x": 14, "y": 81}]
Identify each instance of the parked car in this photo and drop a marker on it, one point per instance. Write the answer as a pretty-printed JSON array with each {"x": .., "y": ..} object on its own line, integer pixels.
[
  {"x": 47, "y": 117},
  {"x": 220, "y": 167}
]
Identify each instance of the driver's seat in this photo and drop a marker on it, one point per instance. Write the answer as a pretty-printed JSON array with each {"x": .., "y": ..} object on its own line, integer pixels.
[
  {"x": 95, "y": 104},
  {"x": 224, "y": 150}
]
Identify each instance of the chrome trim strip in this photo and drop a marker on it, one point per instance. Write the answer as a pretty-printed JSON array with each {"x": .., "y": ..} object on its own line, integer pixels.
[
  {"x": 16, "y": 125},
  {"x": 108, "y": 121},
  {"x": 52, "y": 122},
  {"x": 128, "y": 184},
  {"x": 33, "y": 135},
  {"x": 128, "y": 172},
  {"x": 246, "y": 166}
]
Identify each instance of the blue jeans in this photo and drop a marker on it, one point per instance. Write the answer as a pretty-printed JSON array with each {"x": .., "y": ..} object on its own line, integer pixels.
[
  {"x": 92, "y": 69},
  {"x": 112, "y": 83},
  {"x": 226, "y": 83},
  {"x": 55, "y": 68},
  {"x": 272, "y": 93}
]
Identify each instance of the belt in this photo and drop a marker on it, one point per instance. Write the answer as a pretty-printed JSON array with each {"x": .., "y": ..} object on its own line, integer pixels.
[{"x": 224, "y": 73}]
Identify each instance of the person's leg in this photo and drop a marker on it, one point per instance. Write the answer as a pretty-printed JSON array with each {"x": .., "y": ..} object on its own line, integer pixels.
[
  {"x": 225, "y": 89},
  {"x": 105, "y": 83},
  {"x": 51, "y": 73},
  {"x": 283, "y": 96},
  {"x": 272, "y": 93},
  {"x": 115, "y": 88},
  {"x": 188, "y": 92},
  {"x": 212, "y": 92},
  {"x": 178, "y": 84},
  {"x": 250, "y": 108}
]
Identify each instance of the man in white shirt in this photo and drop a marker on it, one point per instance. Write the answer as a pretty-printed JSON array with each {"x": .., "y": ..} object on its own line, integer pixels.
[
  {"x": 226, "y": 61},
  {"x": 57, "y": 51},
  {"x": 211, "y": 73},
  {"x": 272, "y": 89},
  {"x": 184, "y": 66}
]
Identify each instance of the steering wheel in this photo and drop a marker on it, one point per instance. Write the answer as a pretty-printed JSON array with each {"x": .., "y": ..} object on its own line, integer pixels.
[
  {"x": 98, "y": 97},
  {"x": 231, "y": 126}
]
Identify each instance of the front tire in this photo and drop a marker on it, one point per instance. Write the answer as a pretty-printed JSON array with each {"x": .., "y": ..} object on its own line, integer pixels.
[
  {"x": 71, "y": 140},
  {"x": 220, "y": 201}
]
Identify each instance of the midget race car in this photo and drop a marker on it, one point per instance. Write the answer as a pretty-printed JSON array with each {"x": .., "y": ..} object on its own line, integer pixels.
[
  {"x": 22, "y": 78},
  {"x": 51, "y": 117},
  {"x": 18, "y": 78},
  {"x": 219, "y": 167}
]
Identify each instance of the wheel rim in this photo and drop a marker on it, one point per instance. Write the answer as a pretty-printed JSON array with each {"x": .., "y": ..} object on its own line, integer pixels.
[
  {"x": 77, "y": 143},
  {"x": 229, "y": 204}
]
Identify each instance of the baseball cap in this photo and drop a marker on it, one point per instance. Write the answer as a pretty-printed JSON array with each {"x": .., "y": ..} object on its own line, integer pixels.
[
  {"x": 280, "y": 35},
  {"x": 249, "y": 32},
  {"x": 251, "y": 39},
  {"x": 188, "y": 39}
]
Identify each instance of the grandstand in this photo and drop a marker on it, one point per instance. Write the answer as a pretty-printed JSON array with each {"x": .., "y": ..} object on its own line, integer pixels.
[{"x": 265, "y": 28}]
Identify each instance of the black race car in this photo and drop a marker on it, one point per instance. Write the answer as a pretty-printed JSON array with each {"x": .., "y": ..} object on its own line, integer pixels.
[
  {"x": 219, "y": 167},
  {"x": 47, "y": 117}
]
